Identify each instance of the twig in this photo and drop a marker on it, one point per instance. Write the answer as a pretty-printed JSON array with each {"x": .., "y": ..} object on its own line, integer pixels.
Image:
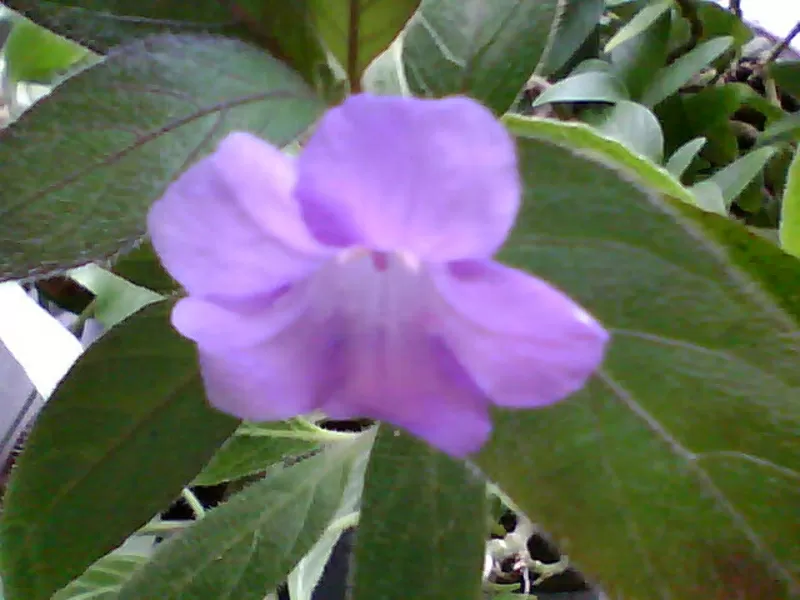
[{"x": 778, "y": 48}]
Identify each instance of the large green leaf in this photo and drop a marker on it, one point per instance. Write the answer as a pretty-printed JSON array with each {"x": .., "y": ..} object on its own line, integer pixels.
[
  {"x": 165, "y": 101},
  {"x": 633, "y": 125},
  {"x": 577, "y": 22},
  {"x": 247, "y": 546},
  {"x": 124, "y": 431},
  {"x": 790, "y": 209},
  {"x": 101, "y": 24},
  {"x": 356, "y": 31},
  {"x": 422, "y": 529},
  {"x": 590, "y": 86},
  {"x": 486, "y": 49},
  {"x": 674, "y": 473}
]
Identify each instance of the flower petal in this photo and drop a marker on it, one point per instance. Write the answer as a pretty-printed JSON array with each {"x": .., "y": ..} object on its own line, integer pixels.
[
  {"x": 411, "y": 381},
  {"x": 524, "y": 342},
  {"x": 229, "y": 225},
  {"x": 437, "y": 178}
]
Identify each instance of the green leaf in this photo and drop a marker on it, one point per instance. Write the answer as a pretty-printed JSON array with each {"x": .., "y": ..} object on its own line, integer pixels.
[
  {"x": 582, "y": 138},
  {"x": 592, "y": 86},
  {"x": 718, "y": 21},
  {"x": 386, "y": 75},
  {"x": 674, "y": 472},
  {"x": 786, "y": 75},
  {"x": 486, "y": 49},
  {"x": 578, "y": 20},
  {"x": 683, "y": 157},
  {"x": 37, "y": 55},
  {"x": 254, "y": 448},
  {"x": 102, "y": 24},
  {"x": 637, "y": 60},
  {"x": 787, "y": 129},
  {"x": 166, "y": 101},
  {"x": 103, "y": 580},
  {"x": 673, "y": 77},
  {"x": 246, "y": 547},
  {"x": 735, "y": 177},
  {"x": 633, "y": 125},
  {"x": 142, "y": 267},
  {"x": 422, "y": 529},
  {"x": 357, "y": 31},
  {"x": 644, "y": 19},
  {"x": 790, "y": 209},
  {"x": 122, "y": 434},
  {"x": 115, "y": 299}
]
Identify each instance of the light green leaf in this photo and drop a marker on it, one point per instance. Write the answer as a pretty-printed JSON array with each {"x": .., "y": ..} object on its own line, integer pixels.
[
  {"x": 675, "y": 471},
  {"x": 37, "y": 55},
  {"x": 593, "y": 86},
  {"x": 786, "y": 129},
  {"x": 422, "y": 529},
  {"x": 639, "y": 23},
  {"x": 246, "y": 547},
  {"x": 673, "y": 77},
  {"x": 790, "y": 209},
  {"x": 683, "y": 157},
  {"x": 256, "y": 447},
  {"x": 103, "y": 580},
  {"x": 386, "y": 75},
  {"x": 583, "y": 138},
  {"x": 735, "y": 177},
  {"x": 166, "y": 102},
  {"x": 356, "y": 31},
  {"x": 123, "y": 433},
  {"x": 633, "y": 125},
  {"x": 115, "y": 298},
  {"x": 486, "y": 49}
]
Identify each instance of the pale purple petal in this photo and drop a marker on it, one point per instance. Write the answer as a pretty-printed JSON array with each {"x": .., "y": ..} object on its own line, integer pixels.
[
  {"x": 436, "y": 178},
  {"x": 229, "y": 226},
  {"x": 524, "y": 342}
]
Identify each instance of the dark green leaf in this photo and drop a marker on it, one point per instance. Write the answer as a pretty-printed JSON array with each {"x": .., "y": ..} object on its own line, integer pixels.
[
  {"x": 790, "y": 209},
  {"x": 592, "y": 86},
  {"x": 422, "y": 529},
  {"x": 246, "y": 547},
  {"x": 101, "y": 24},
  {"x": 718, "y": 21},
  {"x": 486, "y": 49},
  {"x": 579, "y": 19},
  {"x": 644, "y": 19},
  {"x": 633, "y": 125},
  {"x": 103, "y": 580},
  {"x": 124, "y": 431},
  {"x": 356, "y": 31},
  {"x": 673, "y": 77},
  {"x": 254, "y": 448},
  {"x": 674, "y": 472},
  {"x": 787, "y": 76},
  {"x": 636, "y": 61},
  {"x": 165, "y": 101},
  {"x": 37, "y": 55},
  {"x": 142, "y": 267}
]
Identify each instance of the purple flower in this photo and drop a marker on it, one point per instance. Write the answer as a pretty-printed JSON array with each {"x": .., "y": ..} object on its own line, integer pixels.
[{"x": 357, "y": 279}]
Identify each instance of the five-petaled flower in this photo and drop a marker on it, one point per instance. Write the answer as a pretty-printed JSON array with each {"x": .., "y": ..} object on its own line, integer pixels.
[{"x": 357, "y": 278}]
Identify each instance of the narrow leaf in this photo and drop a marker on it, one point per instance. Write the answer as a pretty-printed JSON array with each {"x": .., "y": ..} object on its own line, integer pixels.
[
  {"x": 125, "y": 430},
  {"x": 790, "y": 209},
  {"x": 246, "y": 547},
  {"x": 735, "y": 177},
  {"x": 683, "y": 156},
  {"x": 166, "y": 101},
  {"x": 639, "y": 23},
  {"x": 103, "y": 580},
  {"x": 578, "y": 20},
  {"x": 673, "y": 77},
  {"x": 422, "y": 530},
  {"x": 633, "y": 125}
]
